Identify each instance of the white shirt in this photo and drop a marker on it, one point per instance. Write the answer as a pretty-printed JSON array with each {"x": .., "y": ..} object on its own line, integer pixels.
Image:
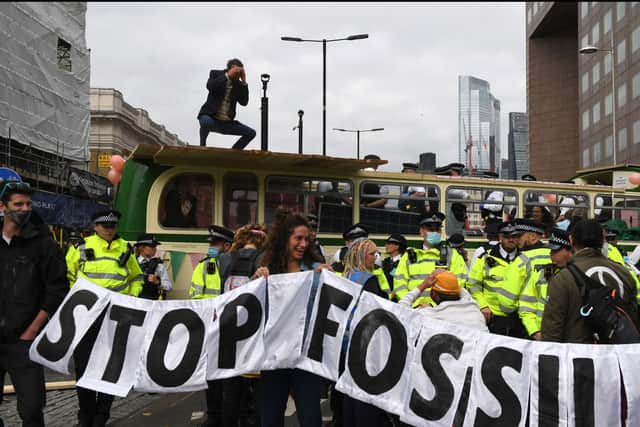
[{"x": 161, "y": 272}]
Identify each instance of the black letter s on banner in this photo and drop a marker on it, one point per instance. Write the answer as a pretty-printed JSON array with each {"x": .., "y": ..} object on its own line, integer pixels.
[
  {"x": 362, "y": 335},
  {"x": 156, "y": 368},
  {"x": 437, "y": 407},
  {"x": 323, "y": 325},
  {"x": 491, "y": 371},
  {"x": 231, "y": 333},
  {"x": 56, "y": 351}
]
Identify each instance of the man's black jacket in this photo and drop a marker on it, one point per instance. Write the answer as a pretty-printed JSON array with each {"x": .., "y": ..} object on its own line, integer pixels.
[
  {"x": 217, "y": 85},
  {"x": 33, "y": 277}
]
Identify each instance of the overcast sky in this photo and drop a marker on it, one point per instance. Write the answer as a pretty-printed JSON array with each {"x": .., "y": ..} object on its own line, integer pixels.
[{"x": 403, "y": 78}]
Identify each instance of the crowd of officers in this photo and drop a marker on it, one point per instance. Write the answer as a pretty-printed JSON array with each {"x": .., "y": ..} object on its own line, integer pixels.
[{"x": 508, "y": 278}]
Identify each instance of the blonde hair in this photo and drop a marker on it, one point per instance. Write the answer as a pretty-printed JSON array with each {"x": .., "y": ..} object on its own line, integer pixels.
[{"x": 356, "y": 256}]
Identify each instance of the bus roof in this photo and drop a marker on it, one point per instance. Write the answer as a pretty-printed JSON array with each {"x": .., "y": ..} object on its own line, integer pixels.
[{"x": 192, "y": 155}]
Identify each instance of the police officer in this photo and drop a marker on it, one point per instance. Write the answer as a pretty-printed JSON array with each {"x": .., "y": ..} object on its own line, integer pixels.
[
  {"x": 534, "y": 295},
  {"x": 351, "y": 235},
  {"x": 486, "y": 279},
  {"x": 156, "y": 279},
  {"x": 74, "y": 240},
  {"x": 534, "y": 255},
  {"x": 395, "y": 247},
  {"x": 107, "y": 260},
  {"x": 416, "y": 264},
  {"x": 206, "y": 283}
]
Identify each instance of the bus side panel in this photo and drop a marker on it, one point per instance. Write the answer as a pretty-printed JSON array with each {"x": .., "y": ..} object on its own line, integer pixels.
[{"x": 131, "y": 198}]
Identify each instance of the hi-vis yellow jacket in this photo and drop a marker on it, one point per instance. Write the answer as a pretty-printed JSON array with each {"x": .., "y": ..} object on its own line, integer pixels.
[
  {"x": 205, "y": 280},
  {"x": 102, "y": 263},
  {"x": 486, "y": 280}
]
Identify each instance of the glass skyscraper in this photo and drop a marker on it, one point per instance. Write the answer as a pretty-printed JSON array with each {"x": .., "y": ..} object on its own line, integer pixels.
[
  {"x": 519, "y": 144},
  {"x": 478, "y": 125}
]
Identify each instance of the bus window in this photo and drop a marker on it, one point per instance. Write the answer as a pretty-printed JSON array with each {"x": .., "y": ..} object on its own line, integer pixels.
[
  {"x": 240, "y": 203},
  {"x": 329, "y": 200},
  {"x": 187, "y": 201},
  {"x": 392, "y": 208},
  {"x": 550, "y": 208},
  {"x": 623, "y": 216},
  {"x": 467, "y": 209}
]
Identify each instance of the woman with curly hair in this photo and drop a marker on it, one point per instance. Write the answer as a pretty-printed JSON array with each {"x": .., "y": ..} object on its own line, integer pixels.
[{"x": 289, "y": 250}]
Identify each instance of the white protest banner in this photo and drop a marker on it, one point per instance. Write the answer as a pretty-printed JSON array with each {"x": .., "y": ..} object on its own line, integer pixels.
[
  {"x": 335, "y": 300},
  {"x": 54, "y": 346},
  {"x": 444, "y": 357},
  {"x": 594, "y": 384},
  {"x": 174, "y": 357},
  {"x": 116, "y": 353},
  {"x": 234, "y": 342},
  {"x": 628, "y": 360},
  {"x": 549, "y": 388},
  {"x": 500, "y": 384},
  {"x": 381, "y": 345},
  {"x": 288, "y": 298}
]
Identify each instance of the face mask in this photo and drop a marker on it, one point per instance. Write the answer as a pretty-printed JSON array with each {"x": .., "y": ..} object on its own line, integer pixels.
[
  {"x": 433, "y": 238},
  {"x": 563, "y": 225},
  {"x": 20, "y": 218},
  {"x": 213, "y": 252}
]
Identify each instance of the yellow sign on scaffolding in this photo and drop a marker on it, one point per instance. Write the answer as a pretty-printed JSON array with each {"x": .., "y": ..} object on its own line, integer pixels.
[{"x": 104, "y": 160}]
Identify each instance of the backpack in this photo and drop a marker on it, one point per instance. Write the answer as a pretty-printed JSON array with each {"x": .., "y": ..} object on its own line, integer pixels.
[
  {"x": 603, "y": 311},
  {"x": 242, "y": 268}
]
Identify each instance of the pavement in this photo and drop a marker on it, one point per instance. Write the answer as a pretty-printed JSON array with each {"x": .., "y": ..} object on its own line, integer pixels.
[{"x": 136, "y": 410}]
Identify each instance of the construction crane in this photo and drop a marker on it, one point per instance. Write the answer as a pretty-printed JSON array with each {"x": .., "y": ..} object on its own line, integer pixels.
[{"x": 468, "y": 147}]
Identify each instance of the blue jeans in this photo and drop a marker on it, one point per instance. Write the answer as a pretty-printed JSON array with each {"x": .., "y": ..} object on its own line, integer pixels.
[
  {"x": 305, "y": 388},
  {"x": 232, "y": 127}
]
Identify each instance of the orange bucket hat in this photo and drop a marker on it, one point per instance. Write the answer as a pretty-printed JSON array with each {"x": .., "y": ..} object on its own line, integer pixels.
[{"x": 446, "y": 283}]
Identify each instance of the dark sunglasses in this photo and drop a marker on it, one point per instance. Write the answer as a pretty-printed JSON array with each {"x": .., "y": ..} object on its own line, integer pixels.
[{"x": 14, "y": 185}]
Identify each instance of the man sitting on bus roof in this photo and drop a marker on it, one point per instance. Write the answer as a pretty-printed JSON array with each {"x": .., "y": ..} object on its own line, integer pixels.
[{"x": 370, "y": 189}]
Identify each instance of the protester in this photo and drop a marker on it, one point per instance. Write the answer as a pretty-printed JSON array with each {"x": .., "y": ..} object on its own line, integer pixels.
[
  {"x": 288, "y": 251},
  {"x": 33, "y": 285},
  {"x": 359, "y": 267},
  {"x": 562, "y": 321},
  {"x": 106, "y": 260},
  {"x": 226, "y": 88},
  {"x": 156, "y": 279},
  {"x": 449, "y": 302}
]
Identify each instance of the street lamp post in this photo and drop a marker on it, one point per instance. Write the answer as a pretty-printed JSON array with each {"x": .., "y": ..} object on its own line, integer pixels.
[
  {"x": 587, "y": 50},
  {"x": 324, "y": 76},
  {"x": 357, "y": 131}
]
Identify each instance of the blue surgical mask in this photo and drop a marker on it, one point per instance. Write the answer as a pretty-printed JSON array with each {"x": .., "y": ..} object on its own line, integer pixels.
[
  {"x": 563, "y": 225},
  {"x": 433, "y": 238},
  {"x": 213, "y": 252}
]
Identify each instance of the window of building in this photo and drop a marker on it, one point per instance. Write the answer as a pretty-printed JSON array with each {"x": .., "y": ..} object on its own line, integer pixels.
[
  {"x": 585, "y": 158},
  {"x": 479, "y": 203},
  {"x": 535, "y": 7},
  {"x": 585, "y": 120},
  {"x": 240, "y": 203},
  {"x": 621, "y": 53},
  {"x": 584, "y": 9},
  {"x": 329, "y": 199},
  {"x": 621, "y": 8},
  {"x": 596, "y": 153},
  {"x": 636, "y": 132},
  {"x": 606, "y": 22},
  {"x": 621, "y": 141},
  {"x": 187, "y": 201},
  {"x": 622, "y": 95},
  {"x": 635, "y": 40},
  {"x": 595, "y": 74},
  {"x": 635, "y": 86},
  {"x": 595, "y": 113},
  {"x": 608, "y": 146},
  {"x": 595, "y": 34},
  {"x": 607, "y": 64},
  {"x": 585, "y": 82},
  {"x": 585, "y": 40},
  {"x": 528, "y": 16},
  {"x": 608, "y": 104},
  {"x": 64, "y": 55},
  {"x": 392, "y": 208}
]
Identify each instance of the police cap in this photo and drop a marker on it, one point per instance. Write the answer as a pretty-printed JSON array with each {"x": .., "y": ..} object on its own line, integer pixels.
[
  {"x": 508, "y": 228},
  {"x": 528, "y": 177},
  {"x": 356, "y": 231},
  {"x": 409, "y": 166},
  {"x": 456, "y": 240},
  {"x": 559, "y": 239},
  {"x": 434, "y": 219},
  {"x": 492, "y": 228},
  {"x": 528, "y": 225},
  {"x": 398, "y": 239},
  {"x": 108, "y": 216},
  {"x": 146, "y": 239},
  {"x": 220, "y": 233}
]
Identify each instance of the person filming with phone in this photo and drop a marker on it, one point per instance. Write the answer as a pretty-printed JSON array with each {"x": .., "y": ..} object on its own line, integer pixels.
[{"x": 226, "y": 88}]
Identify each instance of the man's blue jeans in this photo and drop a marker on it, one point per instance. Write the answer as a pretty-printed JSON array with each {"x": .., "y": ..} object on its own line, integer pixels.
[{"x": 232, "y": 127}]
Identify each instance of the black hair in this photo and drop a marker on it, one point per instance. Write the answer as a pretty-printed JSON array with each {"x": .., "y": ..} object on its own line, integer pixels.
[
  {"x": 587, "y": 234},
  {"x": 234, "y": 61}
]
